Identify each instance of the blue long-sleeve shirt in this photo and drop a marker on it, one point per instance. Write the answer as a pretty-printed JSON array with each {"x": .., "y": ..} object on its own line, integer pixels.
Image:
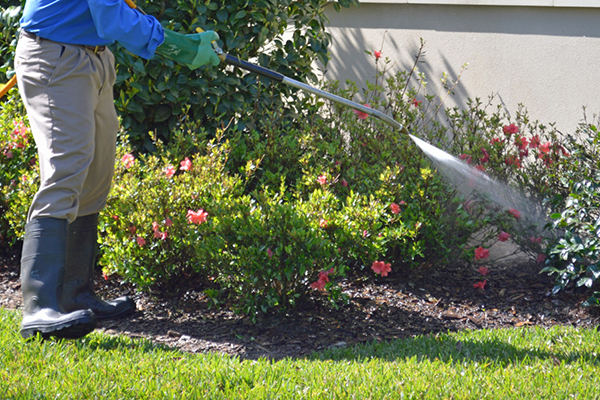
[{"x": 94, "y": 23}]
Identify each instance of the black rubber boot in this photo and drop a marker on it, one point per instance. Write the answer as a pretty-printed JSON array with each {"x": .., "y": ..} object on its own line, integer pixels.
[
  {"x": 42, "y": 270},
  {"x": 78, "y": 292}
]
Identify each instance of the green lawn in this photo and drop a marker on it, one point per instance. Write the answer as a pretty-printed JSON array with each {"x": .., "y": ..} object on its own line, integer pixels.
[{"x": 520, "y": 363}]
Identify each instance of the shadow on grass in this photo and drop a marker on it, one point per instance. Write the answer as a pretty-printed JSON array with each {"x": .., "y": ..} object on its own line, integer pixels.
[{"x": 494, "y": 346}]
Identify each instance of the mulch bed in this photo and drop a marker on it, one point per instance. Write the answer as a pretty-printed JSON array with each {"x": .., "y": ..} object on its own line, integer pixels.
[{"x": 406, "y": 303}]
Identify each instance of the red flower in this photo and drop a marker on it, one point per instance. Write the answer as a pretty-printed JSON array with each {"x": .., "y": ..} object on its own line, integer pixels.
[
  {"x": 395, "y": 208},
  {"x": 510, "y": 129},
  {"x": 168, "y": 222},
  {"x": 521, "y": 143},
  {"x": 514, "y": 213},
  {"x": 545, "y": 148},
  {"x": 320, "y": 283},
  {"x": 486, "y": 156},
  {"x": 481, "y": 253},
  {"x": 480, "y": 285},
  {"x": 360, "y": 114},
  {"x": 416, "y": 102},
  {"x": 197, "y": 217},
  {"x": 465, "y": 157},
  {"x": 377, "y": 54},
  {"x": 503, "y": 236},
  {"x": 541, "y": 258},
  {"x": 323, "y": 223},
  {"x": 380, "y": 267},
  {"x": 496, "y": 141},
  {"x": 270, "y": 252},
  {"x": 344, "y": 183},
  {"x": 140, "y": 241},
  {"x": 510, "y": 160},
  {"x": 484, "y": 270},
  {"x": 185, "y": 165},
  {"x": 534, "y": 142},
  {"x": 480, "y": 167},
  {"x": 322, "y": 179}
]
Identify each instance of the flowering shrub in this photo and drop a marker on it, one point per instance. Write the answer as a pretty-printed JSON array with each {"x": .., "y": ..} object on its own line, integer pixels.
[
  {"x": 17, "y": 156},
  {"x": 273, "y": 213}
]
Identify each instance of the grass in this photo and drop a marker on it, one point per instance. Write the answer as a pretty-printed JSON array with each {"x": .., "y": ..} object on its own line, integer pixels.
[{"x": 532, "y": 363}]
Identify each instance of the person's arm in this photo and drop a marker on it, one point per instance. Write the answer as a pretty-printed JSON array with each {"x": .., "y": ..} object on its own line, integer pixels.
[{"x": 115, "y": 20}]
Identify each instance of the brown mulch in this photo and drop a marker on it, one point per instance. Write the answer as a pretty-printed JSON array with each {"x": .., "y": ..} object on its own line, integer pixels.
[{"x": 406, "y": 303}]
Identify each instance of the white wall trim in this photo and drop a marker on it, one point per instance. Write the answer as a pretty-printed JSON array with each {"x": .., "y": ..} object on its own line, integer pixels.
[{"x": 525, "y": 3}]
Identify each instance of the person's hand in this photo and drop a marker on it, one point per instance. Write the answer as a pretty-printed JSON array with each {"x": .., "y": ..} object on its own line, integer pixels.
[
  {"x": 206, "y": 54},
  {"x": 194, "y": 50}
]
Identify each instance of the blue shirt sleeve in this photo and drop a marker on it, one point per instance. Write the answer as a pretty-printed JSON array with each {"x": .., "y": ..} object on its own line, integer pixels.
[{"x": 116, "y": 21}]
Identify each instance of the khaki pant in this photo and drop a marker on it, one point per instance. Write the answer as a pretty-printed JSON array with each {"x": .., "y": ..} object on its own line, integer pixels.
[{"x": 67, "y": 91}]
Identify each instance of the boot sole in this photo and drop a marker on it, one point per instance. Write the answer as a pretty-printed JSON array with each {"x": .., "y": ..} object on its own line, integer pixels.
[{"x": 74, "y": 329}]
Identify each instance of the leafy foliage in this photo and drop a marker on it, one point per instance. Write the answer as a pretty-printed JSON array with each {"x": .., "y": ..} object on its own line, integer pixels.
[
  {"x": 10, "y": 13},
  {"x": 575, "y": 255},
  {"x": 159, "y": 95}
]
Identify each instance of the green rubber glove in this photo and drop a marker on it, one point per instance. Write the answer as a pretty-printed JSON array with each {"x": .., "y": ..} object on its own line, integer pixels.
[{"x": 193, "y": 50}]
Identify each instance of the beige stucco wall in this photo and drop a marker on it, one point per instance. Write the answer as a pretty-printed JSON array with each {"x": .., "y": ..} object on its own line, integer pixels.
[{"x": 545, "y": 57}]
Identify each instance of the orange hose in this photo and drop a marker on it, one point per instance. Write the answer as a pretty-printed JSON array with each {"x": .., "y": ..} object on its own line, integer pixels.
[{"x": 4, "y": 89}]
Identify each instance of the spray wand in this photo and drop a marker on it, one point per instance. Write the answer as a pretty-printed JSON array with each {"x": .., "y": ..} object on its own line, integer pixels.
[{"x": 277, "y": 77}]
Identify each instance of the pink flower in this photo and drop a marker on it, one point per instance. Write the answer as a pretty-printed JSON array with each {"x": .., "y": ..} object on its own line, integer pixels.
[
  {"x": 128, "y": 160},
  {"x": 323, "y": 223},
  {"x": 322, "y": 179},
  {"x": 534, "y": 142},
  {"x": 484, "y": 270},
  {"x": 480, "y": 167},
  {"x": 360, "y": 114},
  {"x": 8, "y": 153},
  {"x": 503, "y": 236},
  {"x": 416, "y": 102},
  {"x": 344, "y": 183},
  {"x": 514, "y": 213},
  {"x": 541, "y": 258},
  {"x": 537, "y": 240},
  {"x": 322, "y": 281},
  {"x": 480, "y": 285},
  {"x": 269, "y": 252},
  {"x": 395, "y": 208},
  {"x": 510, "y": 129},
  {"x": 377, "y": 54},
  {"x": 140, "y": 241},
  {"x": 380, "y": 267},
  {"x": 169, "y": 171},
  {"x": 481, "y": 253},
  {"x": 185, "y": 165},
  {"x": 168, "y": 222},
  {"x": 197, "y": 217},
  {"x": 496, "y": 141}
]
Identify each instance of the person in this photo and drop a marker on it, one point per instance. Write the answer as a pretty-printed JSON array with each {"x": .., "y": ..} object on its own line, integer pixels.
[{"x": 65, "y": 75}]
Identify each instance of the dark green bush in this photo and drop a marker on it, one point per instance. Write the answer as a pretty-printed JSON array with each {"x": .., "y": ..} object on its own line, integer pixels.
[
  {"x": 10, "y": 13},
  {"x": 158, "y": 95},
  {"x": 574, "y": 256}
]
